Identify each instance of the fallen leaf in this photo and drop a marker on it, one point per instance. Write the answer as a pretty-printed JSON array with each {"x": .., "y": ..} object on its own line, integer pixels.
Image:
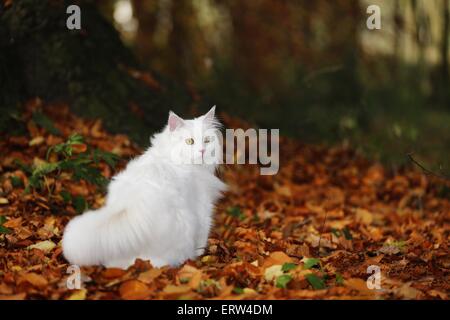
[
  {"x": 134, "y": 290},
  {"x": 358, "y": 285},
  {"x": 150, "y": 275},
  {"x": 112, "y": 273},
  {"x": 13, "y": 223},
  {"x": 277, "y": 257},
  {"x": 78, "y": 295},
  {"x": 408, "y": 292},
  {"x": 364, "y": 216},
  {"x": 36, "y": 141},
  {"x": 273, "y": 272},
  {"x": 34, "y": 279},
  {"x": 45, "y": 246},
  {"x": 172, "y": 291},
  {"x": 18, "y": 296}
]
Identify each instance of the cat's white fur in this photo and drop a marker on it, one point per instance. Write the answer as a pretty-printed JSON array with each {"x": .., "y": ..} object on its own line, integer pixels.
[{"x": 157, "y": 209}]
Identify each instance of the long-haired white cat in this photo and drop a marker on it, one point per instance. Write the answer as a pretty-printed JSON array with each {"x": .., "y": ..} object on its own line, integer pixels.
[{"x": 160, "y": 207}]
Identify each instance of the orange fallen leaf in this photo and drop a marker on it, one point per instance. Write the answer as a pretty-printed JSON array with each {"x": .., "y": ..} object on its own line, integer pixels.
[
  {"x": 112, "y": 273},
  {"x": 359, "y": 285},
  {"x": 192, "y": 274},
  {"x": 150, "y": 275},
  {"x": 172, "y": 291},
  {"x": 277, "y": 257},
  {"x": 78, "y": 295},
  {"x": 13, "y": 223},
  {"x": 134, "y": 290},
  {"x": 18, "y": 296},
  {"x": 79, "y": 147},
  {"x": 34, "y": 279}
]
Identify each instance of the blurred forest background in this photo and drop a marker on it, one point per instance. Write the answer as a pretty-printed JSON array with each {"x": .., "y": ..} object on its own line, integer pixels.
[{"x": 311, "y": 68}]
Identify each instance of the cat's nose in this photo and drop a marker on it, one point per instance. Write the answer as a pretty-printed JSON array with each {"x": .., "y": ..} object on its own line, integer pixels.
[{"x": 202, "y": 151}]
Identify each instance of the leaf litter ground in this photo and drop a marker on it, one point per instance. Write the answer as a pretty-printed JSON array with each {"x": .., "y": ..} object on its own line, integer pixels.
[{"x": 309, "y": 232}]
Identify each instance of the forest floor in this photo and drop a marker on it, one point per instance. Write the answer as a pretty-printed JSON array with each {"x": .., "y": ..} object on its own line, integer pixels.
[{"x": 319, "y": 229}]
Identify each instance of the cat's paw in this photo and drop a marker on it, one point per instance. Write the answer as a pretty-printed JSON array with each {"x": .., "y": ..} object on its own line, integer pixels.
[
  {"x": 121, "y": 264},
  {"x": 155, "y": 261},
  {"x": 199, "y": 251}
]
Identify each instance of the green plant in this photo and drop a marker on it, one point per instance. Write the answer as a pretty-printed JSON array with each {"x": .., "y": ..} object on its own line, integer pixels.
[
  {"x": 76, "y": 159},
  {"x": 236, "y": 212},
  {"x": 283, "y": 280},
  {"x": 3, "y": 229}
]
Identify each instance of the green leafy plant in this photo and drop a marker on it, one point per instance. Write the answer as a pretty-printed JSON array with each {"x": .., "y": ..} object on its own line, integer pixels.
[
  {"x": 16, "y": 182},
  {"x": 75, "y": 158},
  {"x": 288, "y": 267},
  {"x": 311, "y": 262},
  {"x": 339, "y": 279},
  {"x": 283, "y": 280},
  {"x": 2, "y": 228},
  {"x": 236, "y": 212},
  {"x": 315, "y": 281},
  {"x": 238, "y": 290},
  {"x": 44, "y": 122}
]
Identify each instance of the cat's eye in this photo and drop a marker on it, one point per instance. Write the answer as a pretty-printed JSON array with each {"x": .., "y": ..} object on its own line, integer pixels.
[
  {"x": 189, "y": 141},
  {"x": 207, "y": 140}
]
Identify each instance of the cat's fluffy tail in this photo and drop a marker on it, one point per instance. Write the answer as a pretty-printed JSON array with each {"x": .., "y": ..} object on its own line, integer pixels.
[
  {"x": 105, "y": 236},
  {"x": 80, "y": 241}
]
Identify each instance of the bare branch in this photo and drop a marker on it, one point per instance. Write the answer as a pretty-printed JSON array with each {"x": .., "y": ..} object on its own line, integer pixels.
[{"x": 427, "y": 171}]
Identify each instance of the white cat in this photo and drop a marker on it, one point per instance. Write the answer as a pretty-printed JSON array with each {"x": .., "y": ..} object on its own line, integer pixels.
[{"x": 160, "y": 207}]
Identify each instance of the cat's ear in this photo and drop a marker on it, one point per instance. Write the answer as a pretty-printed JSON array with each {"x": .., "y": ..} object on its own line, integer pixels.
[
  {"x": 209, "y": 116},
  {"x": 174, "y": 121}
]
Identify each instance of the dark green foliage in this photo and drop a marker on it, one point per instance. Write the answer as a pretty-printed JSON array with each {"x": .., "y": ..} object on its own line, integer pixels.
[
  {"x": 283, "y": 280},
  {"x": 288, "y": 267},
  {"x": 80, "y": 204},
  {"x": 311, "y": 262},
  {"x": 2, "y": 228},
  {"x": 339, "y": 279},
  {"x": 236, "y": 213},
  {"x": 16, "y": 182},
  {"x": 316, "y": 282},
  {"x": 238, "y": 290},
  {"x": 82, "y": 166},
  {"x": 41, "y": 120}
]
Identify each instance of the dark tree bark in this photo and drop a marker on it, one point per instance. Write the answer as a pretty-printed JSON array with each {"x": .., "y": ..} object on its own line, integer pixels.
[{"x": 87, "y": 68}]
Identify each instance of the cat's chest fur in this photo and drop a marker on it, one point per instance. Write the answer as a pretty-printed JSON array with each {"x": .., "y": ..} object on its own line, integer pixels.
[{"x": 192, "y": 187}]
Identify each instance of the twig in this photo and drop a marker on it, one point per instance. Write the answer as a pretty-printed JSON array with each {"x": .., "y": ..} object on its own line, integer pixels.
[
  {"x": 427, "y": 171},
  {"x": 323, "y": 228}
]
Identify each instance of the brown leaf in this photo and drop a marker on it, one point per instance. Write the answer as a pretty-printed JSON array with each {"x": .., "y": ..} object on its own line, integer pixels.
[
  {"x": 409, "y": 292},
  {"x": 134, "y": 290},
  {"x": 79, "y": 147},
  {"x": 13, "y": 223},
  {"x": 18, "y": 296},
  {"x": 277, "y": 257},
  {"x": 150, "y": 275},
  {"x": 112, "y": 273},
  {"x": 34, "y": 279},
  {"x": 358, "y": 285},
  {"x": 78, "y": 295},
  {"x": 172, "y": 291}
]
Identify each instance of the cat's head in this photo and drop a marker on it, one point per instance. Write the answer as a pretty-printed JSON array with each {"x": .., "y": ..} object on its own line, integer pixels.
[{"x": 195, "y": 141}]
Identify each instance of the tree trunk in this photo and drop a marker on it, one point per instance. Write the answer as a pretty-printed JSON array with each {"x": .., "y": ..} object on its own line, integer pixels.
[
  {"x": 89, "y": 68},
  {"x": 444, "y": 51}
]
